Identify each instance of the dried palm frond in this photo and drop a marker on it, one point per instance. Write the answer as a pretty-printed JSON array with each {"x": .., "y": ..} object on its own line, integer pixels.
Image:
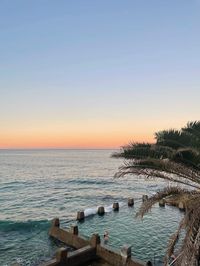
[
  {"x": 191, "y": 244},
  {"x": 168, "y": 191},
  {"x": 190, "y": 250},
  {"x": 172, "y": 242},
  {"x": 164, "y": 169}
]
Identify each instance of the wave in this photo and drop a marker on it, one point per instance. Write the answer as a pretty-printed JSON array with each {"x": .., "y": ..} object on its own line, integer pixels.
[
  {"x": 94, "y": 210},
  {"x": 9, "y": 226},
  {"x": 91, "y": 181}
]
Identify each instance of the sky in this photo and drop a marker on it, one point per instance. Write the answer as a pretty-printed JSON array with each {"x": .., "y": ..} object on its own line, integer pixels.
[{"x": 96, "y": 74}]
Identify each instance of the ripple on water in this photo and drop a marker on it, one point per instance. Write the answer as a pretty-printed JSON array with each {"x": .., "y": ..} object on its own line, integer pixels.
[
  {"x": 40, "y": 184},
  {"x": 148, "y": 237}
]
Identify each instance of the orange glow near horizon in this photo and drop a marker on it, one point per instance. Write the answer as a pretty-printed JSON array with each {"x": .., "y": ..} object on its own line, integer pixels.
[
  {"x": 69, "y": 141},
  {"x": 80, "y": 89},
  {"x": 81, "y": 134}
]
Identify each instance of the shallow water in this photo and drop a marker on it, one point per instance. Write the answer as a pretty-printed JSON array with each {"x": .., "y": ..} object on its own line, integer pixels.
[{"x": 37, "y": 185}]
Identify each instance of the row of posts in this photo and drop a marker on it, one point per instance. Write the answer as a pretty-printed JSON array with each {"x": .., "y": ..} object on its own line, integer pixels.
[{"x": 101, "y": 209}]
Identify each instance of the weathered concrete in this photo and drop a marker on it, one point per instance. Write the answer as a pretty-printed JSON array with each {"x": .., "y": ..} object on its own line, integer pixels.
[
  {"x": 68, "y": 238},
  {"x": 87, "y": 250},
  {"x": 80, "y": 216},
  {"x": 144, "y": 198},
  {"x": 116, "y": 206},
  {"x": 56, "y": 222},
  {"x": 81, "y": 256},
  {"x": 52, "y": 262},
  {"x": 126, "y": 251},
  {"x": 61, "y": 255},
  {"x": 130, "y": 202},
  {"x": 162, "y": 203},
  {"x": 181, "y": 206},
  {"x": 95, "y": 240},
  {"x": 74, "y": 258},
  {"x": 101, "y": 210},
  {"x": 115, "y": 258},
  {"x": 74, "y": 229}
]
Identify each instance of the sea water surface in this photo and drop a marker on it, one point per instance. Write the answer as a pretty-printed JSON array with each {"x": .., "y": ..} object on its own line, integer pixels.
[{"x": 38, "y": 185}]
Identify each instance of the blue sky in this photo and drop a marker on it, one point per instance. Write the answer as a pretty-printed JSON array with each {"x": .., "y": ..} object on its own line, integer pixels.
[{"x": 97, "y": 73}]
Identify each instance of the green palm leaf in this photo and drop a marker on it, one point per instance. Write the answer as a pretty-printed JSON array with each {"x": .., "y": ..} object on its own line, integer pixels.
[{"x": 174, "y": 157}]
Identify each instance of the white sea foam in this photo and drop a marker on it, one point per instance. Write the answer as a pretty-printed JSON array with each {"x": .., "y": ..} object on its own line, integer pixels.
[
  {"x": 90, "y": 211},
  {"x": 93, "y": 211},
  {"x": 121, "y": 204},
  {"x": 108, "y": 208},
  {"x": 70, "y": 177}
]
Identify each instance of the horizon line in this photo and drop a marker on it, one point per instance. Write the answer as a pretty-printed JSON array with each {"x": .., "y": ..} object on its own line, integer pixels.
[{"x": 54, "y": 148}]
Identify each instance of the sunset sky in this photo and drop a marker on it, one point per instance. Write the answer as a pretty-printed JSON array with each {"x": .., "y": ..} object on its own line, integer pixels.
[{"x": 96, "y": 74}]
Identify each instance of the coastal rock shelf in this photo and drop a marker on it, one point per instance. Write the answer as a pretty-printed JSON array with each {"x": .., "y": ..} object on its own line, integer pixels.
[{"x": 87, "y": 250}]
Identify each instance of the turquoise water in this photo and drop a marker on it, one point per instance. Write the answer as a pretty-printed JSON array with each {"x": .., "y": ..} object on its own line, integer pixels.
[{"x": 38, "y": 185}]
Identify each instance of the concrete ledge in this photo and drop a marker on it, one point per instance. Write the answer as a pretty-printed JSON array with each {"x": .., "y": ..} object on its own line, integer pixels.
[
  {"x": 81, "y": 256},
  {"x": 52, "y": 262},
  {"x": 87, "y": 250},
  {"x": 113, "y": 257},
  {"x": 68, "y": 238}
]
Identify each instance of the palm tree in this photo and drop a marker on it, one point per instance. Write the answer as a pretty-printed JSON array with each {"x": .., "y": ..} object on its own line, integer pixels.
[{"x": 175, "y": 156}]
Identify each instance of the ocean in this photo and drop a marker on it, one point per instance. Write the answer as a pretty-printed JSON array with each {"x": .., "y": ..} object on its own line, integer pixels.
[{"x": 38, "y": 185}]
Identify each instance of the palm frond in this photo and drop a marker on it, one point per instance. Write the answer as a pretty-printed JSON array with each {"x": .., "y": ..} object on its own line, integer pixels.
[
  {"x": 144, "y": 150},
  {"x": 193, "y": 129},
  {"x": 190, "y": 251},
  {"x": 172, "y": 138},
  {"x": 172, "y": 241},
  {"x": 163, "y": 169},
  {"x": 188, "y": 157},
  {"x": 191, "y": 243},
  {"x": 168, "y": 191},
  {"x": 174, "y": 157}
]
